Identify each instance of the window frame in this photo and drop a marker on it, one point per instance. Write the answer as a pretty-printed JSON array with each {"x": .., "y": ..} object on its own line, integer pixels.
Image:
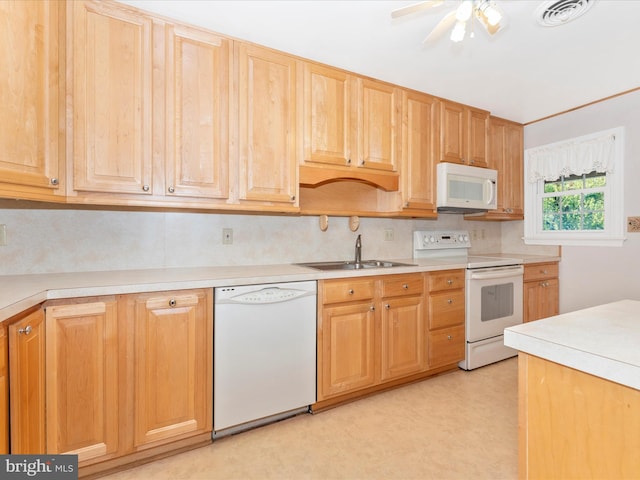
[{"x": 613, "y": 233}]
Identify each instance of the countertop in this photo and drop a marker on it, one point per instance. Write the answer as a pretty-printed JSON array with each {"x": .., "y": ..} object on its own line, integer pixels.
[
  {"x": 602, "y": 341},
  {"x": 20, "y": 292}
]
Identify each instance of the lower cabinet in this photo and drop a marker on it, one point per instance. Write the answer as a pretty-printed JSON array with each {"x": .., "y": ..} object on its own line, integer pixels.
[
  {"x": 4, "y": 391},
  {"x": 126, "y": 377},
  {"x": 446, "y": 306},
  {"x": 373, "y": 333},
  {"x": 27, "y": 383},
  {"x": 541, "y": 291}
]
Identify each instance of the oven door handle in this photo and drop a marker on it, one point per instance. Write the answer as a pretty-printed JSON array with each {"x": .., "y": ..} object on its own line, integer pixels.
[{"x": 488, "y": 273}]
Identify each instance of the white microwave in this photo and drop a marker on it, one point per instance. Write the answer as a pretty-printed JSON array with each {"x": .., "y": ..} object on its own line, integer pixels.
[{"x": 465, "y": 189}]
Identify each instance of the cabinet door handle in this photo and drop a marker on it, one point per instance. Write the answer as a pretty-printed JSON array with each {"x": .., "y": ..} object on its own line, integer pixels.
[
  {"x": 387, "y": 306},
  {"x": 351, "y": 291},
  {"x": 405, "y": 286},
  {"x": 544, "y": 272},
  {"x": 171, "y": 189},
  {"x": 449, "y": 282},
  {"x": 449, "y": 337},
  {"x": 348, "y": 161},
  {"x": 372, "y": 308},
  {"x": 145, "y": 188},
  {"x": 449, "y": 301},
  {"x": 172, "y": 302},
  {"x": 54, "y": 181},
  {"x": 26, "y": 330}
]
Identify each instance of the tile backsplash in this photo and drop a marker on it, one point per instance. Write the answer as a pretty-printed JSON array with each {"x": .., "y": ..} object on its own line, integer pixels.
[{"x": 41, "y": 240}]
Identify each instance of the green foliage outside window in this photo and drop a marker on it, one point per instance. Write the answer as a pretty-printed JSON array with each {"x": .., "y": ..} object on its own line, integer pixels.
[{"x": 574, "y": 202}]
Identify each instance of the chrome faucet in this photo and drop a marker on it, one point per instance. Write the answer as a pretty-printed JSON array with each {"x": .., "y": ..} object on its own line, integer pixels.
[{"x": 358, "y": 251}]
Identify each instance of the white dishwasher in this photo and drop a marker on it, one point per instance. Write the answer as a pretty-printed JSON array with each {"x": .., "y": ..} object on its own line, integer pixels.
[{"x": 264, "y": 357}]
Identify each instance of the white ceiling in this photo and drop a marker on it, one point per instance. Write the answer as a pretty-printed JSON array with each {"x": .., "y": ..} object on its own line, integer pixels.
[{"x": 524, "y": 73}]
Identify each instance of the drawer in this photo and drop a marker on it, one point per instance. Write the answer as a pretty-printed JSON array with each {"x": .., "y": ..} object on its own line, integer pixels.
[
  {"x": 446, "y": 346},
  {"x": 398, "y": 285},
  {"x": 446, "y": 309},
  {"x": 540, "y": 271},
  {"x": 446, "y": 280},
  {"x": 337, "y": 291}
]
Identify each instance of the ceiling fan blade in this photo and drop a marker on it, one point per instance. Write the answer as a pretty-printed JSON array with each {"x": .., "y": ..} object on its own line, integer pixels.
[
  {"x": 416, "y": 7},
  {"x": 447, "y": 22}
]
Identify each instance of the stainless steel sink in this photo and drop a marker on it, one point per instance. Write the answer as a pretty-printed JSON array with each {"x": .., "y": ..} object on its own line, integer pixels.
[{"x": 350, "y": 265}]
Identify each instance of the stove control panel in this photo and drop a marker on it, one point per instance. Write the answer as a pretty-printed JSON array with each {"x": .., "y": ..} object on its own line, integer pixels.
[{"x": 440, "y": 240}]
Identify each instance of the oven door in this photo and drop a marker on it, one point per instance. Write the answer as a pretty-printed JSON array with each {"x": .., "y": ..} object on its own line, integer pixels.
[{"x": 494, "y": 301}]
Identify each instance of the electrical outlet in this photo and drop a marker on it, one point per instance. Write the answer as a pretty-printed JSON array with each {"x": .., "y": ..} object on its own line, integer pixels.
[
  {"x": 388, "y": 234},
  {"x": 227, "y": 236},
  {"x": 3, "y": 235},
  {"x": 633, "y": 224}
]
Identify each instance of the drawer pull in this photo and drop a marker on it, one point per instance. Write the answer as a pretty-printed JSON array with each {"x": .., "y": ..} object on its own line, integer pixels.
[
  {"x": 405, "y": 286},
  {"x": 172, "y": 302},
  {"x": 387, "y": 306},
  {"x": 449, "y": 301},
  {"x": 449, "y": 337},
  {"x": 544, "y": 272},
  {"x": 351, "y": 291},
  {"x": 26, "y": 330},
  {"x": 449, "y": 282},
  {"x": 372, "y": 308}
]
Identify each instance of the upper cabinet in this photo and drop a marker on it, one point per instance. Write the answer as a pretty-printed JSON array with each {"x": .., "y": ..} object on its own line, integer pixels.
[
  {"x": 418, "y": 152},
  {"x": 197, "y": 73},
  {"x": 350, "y": 128},
  {"x": 506, "y": 153},
  {"x": 266, "y": 125},
  {"x": 31, "y": 100},
  {"x": 112, "y": 66},
  {"x": 463, "y": 134}
]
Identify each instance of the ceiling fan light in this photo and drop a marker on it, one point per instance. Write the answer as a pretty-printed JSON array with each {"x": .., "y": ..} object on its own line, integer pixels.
[
  {"x": 458, "y": 32},
  {"x": 464, "y": 11},
  {"x": 493, "y": 15}
]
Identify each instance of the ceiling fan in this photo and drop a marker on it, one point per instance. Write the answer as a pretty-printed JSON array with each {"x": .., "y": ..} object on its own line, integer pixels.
[{"x": 488, "y": 14}]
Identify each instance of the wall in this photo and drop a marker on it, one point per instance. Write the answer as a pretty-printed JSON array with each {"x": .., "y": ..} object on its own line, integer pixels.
[
  {"x": 45, "y": 240},
  {"x": 595, "y": 275}
]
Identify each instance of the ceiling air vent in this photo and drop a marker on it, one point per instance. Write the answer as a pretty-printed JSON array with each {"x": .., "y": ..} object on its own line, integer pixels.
[{"x": 559, "y": 12}]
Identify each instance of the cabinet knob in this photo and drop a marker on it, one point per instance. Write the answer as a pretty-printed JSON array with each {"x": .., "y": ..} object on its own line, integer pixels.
[
  {"x": 348, "y": 161},
  {"x": 293, "y": 198},
  {"x": 405, "y": 286},
  {"x": 449, "y": 282},
  {"x": 351, "y": 291},
  {"x": 387, "y": 306},
  {"x": 172, "y": 302},
  {"x": 449, "y": 301},
  {"x": 372, "y": 308},
  {"x": 145, "y": 188},
  {"x": 54, "y": 181},
  {"x": 406, "y": 205},
  {"x": 26, "y": 330},
  {"x": 471, "y": 162},
  {"x": 171, "y": 189},
  {"x": 449, "y": 337},
  {"x": 544, "y": 272},
  {"x": 361, "y": 162}
]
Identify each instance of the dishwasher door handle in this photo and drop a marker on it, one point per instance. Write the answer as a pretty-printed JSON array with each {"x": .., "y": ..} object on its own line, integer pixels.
[{"x": 266, "y": 296}]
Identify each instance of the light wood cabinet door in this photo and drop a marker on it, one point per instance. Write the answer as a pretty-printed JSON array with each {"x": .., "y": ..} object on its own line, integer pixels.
[
  {"x": 30, "y": 92},
  {"x": 541, "y": 299},
  {"x": 418, "y": 152},
  {"x": 27, "y": 384},
  {"x": 463, "y": 134},
  {"x": 82, "y": 379},
  {"x": 173, "y": 365},
  {"x": 327, "y": 130},
  {"x": 506, "y": 156},
  {"x": 379, "y": 125},
  {"x": 267, "y": 123},
  {"x": 197, "y": 113},
  {"x": 446, "y": 346},
  {"x": 112, "y": 68},
  {"x": 403, "y": 337},
  {"x": 347, "y": 349},
  {"x": 4, "y": 391}
]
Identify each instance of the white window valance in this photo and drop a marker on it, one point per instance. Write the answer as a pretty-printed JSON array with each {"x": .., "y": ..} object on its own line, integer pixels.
[{"x": 574, "y": 157}]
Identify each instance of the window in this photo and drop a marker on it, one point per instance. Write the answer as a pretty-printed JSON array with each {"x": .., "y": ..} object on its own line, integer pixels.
[{"x": 574, "y": 191}]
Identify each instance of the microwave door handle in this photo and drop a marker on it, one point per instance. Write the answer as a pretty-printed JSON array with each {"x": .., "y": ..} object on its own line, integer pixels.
[{"x": 492, "y": 189}]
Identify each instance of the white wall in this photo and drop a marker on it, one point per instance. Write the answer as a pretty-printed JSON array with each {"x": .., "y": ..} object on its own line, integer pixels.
[
  {"x": 41, "y": 240},
  {"x": 595, "y": 275}
]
